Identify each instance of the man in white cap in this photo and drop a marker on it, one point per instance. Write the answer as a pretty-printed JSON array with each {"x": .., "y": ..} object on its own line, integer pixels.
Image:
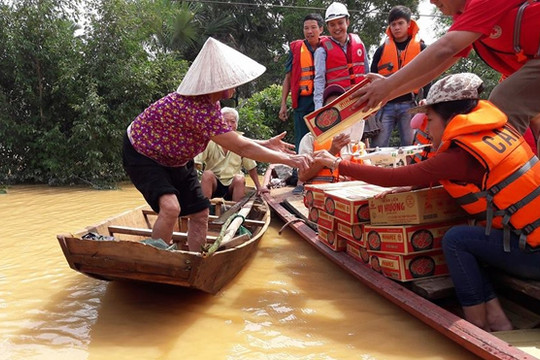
[
  {"x": 162, "y": 141},
  {"x": 342, "y": 58}
]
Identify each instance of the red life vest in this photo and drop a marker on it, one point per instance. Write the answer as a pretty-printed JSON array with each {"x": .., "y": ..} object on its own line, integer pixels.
[
  {"x": 514, "y": 39},
  {"x": 344, "y": 69},
  {"x": 303, "y": 71},
  {"x": 325, "y": 175},
  {"x": 509, "y": 196}
]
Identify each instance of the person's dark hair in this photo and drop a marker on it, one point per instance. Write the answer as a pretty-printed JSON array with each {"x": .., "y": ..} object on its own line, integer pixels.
[
  {"x": 399, "y": 12},
  {"x": 317, "y": 17},
  {"x": 448, "y": 109}
]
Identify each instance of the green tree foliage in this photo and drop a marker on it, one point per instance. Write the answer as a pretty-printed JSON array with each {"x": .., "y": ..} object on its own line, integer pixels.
[{"x": 73, "y": 74}]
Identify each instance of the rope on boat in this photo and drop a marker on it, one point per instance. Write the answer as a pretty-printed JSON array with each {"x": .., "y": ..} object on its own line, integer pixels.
[
  {"x": 290, "y": 222},
  {"x": 209, "y": 251}
]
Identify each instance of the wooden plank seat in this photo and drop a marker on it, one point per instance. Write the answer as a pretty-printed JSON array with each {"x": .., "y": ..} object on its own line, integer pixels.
[
  {"x": 211, "y": 217},
  {"x": 528, "y": 287},
  {"x": 177, "y": 236}
]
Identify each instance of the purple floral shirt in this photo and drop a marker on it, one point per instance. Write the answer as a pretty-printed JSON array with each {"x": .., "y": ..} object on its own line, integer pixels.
[{"x": 175, "y": 128}]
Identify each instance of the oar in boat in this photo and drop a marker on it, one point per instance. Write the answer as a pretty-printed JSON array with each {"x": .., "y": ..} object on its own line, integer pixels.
[{"x": 229, "y": 229}]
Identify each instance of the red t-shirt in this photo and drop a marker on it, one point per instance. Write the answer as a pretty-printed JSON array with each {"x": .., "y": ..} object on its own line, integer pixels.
[
  {"x": 481, "y": 16},
  {"x": 463, "y": 168}
]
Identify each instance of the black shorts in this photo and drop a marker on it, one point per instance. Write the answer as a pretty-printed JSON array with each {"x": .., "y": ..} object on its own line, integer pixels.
[
  {"x": 222, "y": 191},
  {"x": 154, "y": 180}
]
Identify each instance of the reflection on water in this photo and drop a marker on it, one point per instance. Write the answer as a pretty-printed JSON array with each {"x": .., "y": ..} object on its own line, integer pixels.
[{"x": 288, "y": 303}]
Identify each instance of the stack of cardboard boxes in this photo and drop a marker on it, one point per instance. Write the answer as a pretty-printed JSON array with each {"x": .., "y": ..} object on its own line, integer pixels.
[
  {"x": 398, "y": 235},
  {"x": 341, "y": 210}
]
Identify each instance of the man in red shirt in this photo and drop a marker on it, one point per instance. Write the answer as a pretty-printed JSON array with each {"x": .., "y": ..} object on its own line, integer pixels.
[{"x": 489, "y": 27}]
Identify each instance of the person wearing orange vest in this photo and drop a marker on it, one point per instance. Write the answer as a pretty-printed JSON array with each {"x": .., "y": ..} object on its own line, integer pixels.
[
  {"x": 504, "y": 33},
  {"x": 300, "y": 72},
  {"x": 318, "y": 174},
  {"x": 400, "y": 47},
  {"x": 485, "y": 164},
  {"x": 342, "y": 58}
]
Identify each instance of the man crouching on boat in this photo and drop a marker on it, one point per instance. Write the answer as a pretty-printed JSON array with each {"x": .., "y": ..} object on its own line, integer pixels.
[
  {"x": 485, "y": 164},
  {"x": 160, "y": 144}
]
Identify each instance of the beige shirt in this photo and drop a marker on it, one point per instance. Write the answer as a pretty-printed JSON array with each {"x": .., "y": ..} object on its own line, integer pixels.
[{"x": 224, "y": 166}]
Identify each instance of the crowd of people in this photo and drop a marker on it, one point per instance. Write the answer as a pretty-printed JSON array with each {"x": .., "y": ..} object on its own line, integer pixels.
[{"x": 477, "y": 145}]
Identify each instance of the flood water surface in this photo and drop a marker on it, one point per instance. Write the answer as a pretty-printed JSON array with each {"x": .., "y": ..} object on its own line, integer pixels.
[{"x": 289, "y": 302}]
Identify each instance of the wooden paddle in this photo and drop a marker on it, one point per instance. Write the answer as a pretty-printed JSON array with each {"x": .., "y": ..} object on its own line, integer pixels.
[
  {"x": 227, "y": 237},
  {"x": 223, "y": 217}
]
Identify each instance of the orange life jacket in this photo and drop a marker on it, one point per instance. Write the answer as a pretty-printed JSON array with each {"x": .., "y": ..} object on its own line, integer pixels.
[
  {"x": 344, "y": 69},
  {"x": 303, "y": 71},
  {"x": 325, "y": 175},
  {"x": 514, "y": 39},
  {"x": 509, "y": 196},
  {"x": 390, "y": 60}
]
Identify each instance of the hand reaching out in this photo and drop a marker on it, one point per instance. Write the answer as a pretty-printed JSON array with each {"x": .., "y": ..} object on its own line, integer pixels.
[
  {"x": 338, "y": 142},
  {"x": 324, "y": 158},
  {"x": 276, "y": 143},
  {"x": 373, "y": 94}
]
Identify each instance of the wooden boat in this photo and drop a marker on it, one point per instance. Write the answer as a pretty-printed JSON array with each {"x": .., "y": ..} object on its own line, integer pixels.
[
  {"x": 423, "y": 298},
  {"x": 114, "y": 251}
]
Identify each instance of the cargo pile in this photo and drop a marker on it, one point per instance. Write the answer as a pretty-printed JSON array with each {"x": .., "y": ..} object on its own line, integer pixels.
[{"x": 398, "y": 235}]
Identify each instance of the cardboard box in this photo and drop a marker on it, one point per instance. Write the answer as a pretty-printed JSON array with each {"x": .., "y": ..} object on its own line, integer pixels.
[
  {"x": 332, "y": 239},
  {"x": 314, "y": 193},
  {"x": 415, "y": 207},
  {"x": 351, "y": 204},
  {"x": 358, "y": 252},
  {"x": 406, "y": 239},
  {"x": 351, "y": 232},
  {"x": 409, "y": 267},
  {"x": 338, "y": 115},
  {"x": 325, "y": 220}
]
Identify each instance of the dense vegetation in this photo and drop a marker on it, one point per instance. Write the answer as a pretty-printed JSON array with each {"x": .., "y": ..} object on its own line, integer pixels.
[{"x": 74, "y": 73}]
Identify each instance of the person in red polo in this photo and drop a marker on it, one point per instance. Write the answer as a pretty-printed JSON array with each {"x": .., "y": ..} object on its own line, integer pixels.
[{"x": 505, "y": 35}]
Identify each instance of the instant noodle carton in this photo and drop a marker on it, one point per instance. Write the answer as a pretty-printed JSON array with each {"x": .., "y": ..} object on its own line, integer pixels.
[
  {"x": 332, "y": 239},
  {"x": 415, "y": 207},
  {"x": 409, "y": 267},
  {"x": 406, "y": 239},
  {"x": 358, "y": 252},
  {"x": 322, "y": 218},
  {"x": 350, "y": 204},
  {"x": 351, "y": 232},
  {"x": 314, "y": 193},
  {"x": 338, "y": 115}
]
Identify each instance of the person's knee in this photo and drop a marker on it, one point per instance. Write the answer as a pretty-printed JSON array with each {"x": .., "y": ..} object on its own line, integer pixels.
[
  {"x": 238, "y": 180},
  {"x": 169, "y": 206},
  {"x": 207, "y": 177}
]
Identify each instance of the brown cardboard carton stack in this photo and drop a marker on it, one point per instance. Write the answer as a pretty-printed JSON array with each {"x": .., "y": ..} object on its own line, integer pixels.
[
  {"x": 340, "y": 211},
  {"x": 405, "y": 233}
]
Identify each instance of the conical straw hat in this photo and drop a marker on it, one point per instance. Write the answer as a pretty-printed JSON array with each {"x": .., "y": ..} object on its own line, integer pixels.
[{"x": 218, "y": 67}]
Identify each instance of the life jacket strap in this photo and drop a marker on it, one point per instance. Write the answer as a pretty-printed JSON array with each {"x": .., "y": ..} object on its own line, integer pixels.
[
  {"x": 522, "y": 170},
  {"x": 506, "y": 238},
  {"x": 489, "y": 213}
]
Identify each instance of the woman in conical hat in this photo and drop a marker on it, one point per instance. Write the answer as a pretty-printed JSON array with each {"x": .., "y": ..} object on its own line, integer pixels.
[
  {"x": 485, "y": 164},
  {"x": 160, "y": 144}
]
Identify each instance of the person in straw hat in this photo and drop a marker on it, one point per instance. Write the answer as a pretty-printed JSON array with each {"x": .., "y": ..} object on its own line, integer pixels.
[
  {"x": 483, "y": 162},
  {"x": 160, "y": 144}
]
